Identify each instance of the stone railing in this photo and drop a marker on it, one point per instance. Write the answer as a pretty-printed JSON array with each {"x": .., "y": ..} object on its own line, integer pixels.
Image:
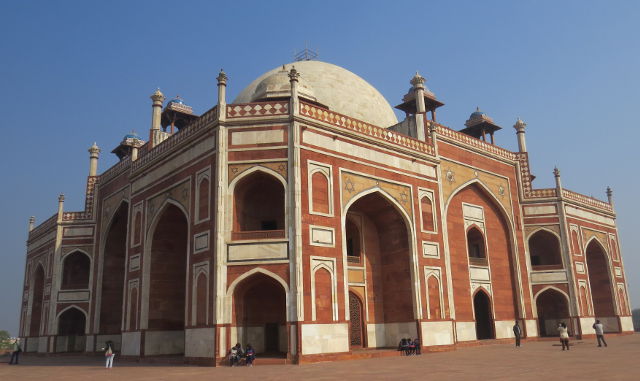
[
  {"x": 473, "y": 142},
  {"x": 257, "y": 234},
  {"x": 586, "y": 200},
  {"x": 44, "y": 227},
  {"x": 245, "y": 110},
  {"x": 115, "y": 170},
  {"x": 175, "y": 139},
  {"x": 364, "y": 128}
]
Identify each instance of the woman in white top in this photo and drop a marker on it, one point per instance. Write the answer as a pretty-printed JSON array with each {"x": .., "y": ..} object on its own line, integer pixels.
[{"x": 564, "y": 335}]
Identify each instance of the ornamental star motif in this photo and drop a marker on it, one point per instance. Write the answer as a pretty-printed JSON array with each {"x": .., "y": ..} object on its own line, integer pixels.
[
  {"x": 450, "y": 176},
  {"x": 349, "y": 187},
  {"x": 403, "y": 197}
]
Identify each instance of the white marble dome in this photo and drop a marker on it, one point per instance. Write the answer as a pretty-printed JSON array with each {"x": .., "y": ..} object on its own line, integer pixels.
[{"x": 333, "y": 86}]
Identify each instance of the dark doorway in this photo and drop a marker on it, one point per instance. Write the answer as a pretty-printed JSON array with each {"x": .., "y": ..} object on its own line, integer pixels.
[
  {"x": 355, "y": 321},
  {"x": 271, "y": 340},
  {"x": 597, "y": 263},
  {"x": 484, "y": 321},
  {"x": 113, "y": 272},
  {"x": 36, "y": 304},
  {"x": 552, "y": 309},
  {"x": 71, "y": 328},
  {"x": 260, "y": 310}
]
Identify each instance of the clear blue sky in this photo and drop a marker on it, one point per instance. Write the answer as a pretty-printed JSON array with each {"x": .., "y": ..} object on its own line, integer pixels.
[{"x": 75, "y": 72}]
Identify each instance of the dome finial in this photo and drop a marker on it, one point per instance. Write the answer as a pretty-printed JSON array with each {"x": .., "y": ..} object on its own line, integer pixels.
[
  {"x": 293, "y": 74},
  {"x": 417, "y": 81},
  {"x": 222, "y": 77}
]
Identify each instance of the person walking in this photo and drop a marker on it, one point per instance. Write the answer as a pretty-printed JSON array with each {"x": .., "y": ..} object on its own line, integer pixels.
[
  {"x": 599, "y": 333},
  {"x": 517, "y": 332},
  {"x": 109, "y": 354},
  {"x": 564, "y": 335},
  {"x": 16, "y": 352}
]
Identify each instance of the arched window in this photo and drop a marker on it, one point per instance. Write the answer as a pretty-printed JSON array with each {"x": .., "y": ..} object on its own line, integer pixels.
[
  {"x": 427, "y": 214},
  {"x": 258, "y": 207},
  {"x": 320, "y": 193},
  {"x": 544, "y": 249},
  {"x": 76, "y": 268},
  {"x": 475, "y": 246},
  {"x": 203, "y": 199}
]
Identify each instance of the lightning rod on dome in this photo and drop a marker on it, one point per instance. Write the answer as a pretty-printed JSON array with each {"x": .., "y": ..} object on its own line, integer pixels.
[{"x": 306, "y": 54}]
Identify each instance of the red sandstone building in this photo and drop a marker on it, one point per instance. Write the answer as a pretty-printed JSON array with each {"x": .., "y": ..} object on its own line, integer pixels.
[{"x": 305, "y": 220}]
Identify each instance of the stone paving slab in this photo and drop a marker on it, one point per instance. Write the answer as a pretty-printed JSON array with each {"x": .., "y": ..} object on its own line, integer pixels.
[{"x": 540, "y": 361}]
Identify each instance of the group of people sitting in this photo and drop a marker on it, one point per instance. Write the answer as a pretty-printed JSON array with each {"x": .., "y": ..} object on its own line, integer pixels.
[
  {"x": 238, "y": 356},
  {"x": 409, "y": 347}
]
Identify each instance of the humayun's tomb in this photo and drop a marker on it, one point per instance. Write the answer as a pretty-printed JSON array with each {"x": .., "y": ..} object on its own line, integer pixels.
[{"x": 304, "y": 219}]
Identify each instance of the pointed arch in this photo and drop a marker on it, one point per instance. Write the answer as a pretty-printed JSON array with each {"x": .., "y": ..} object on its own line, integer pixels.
[
  {"x": 232, "y": 287},
  {"x": 146, "y": 266},
  {"x": 110, "y": 292},
  {"x": 487, "y": 192},
  {"x": 412, "y": 266},
  {"x": 601, "y": 281},
  {"x": 267, "y": 219},
  {"x": 76, "y": 270},
  {"x": 37, "y": 296},
  {"x": 545, "y": 249},
  {"x": 68, "y": 308},
  {"x": 258, "y": 309},
  {"x": 552, "y": 305},
  {"x": 434, "y": 292},
  {"x": 512, "y": 252}
]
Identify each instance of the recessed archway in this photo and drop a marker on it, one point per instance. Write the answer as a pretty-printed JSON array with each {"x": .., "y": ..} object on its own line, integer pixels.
[
  {"x": 553, "y": 308},
  {"x": 260, "y": 314},
  {"x": 258, "y": 207},
  {"x": 76, "y": 268},
  {"x": 113, "y": 272},
  {"x": 598, "y": 268},
  {"x": 385, "y": 251},
  {"x": 71, "y": 331},
  {"x": 544, "y": 250},
  {"x": 36, "y": 303},
  {"x": 483, "y": 315}
]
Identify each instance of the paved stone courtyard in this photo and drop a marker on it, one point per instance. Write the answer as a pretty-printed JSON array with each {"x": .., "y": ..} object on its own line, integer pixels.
[{"x": 542, "y": 360}]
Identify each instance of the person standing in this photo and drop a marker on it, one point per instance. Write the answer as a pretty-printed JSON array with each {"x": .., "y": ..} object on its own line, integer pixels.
[
  {"x": 109, "y": 354},
  {"x": 564, "y": 335},
  {"x": 517, "y": 332},
  {"x": 599, "y": 333},
  {"x": 16, "y": 352}
]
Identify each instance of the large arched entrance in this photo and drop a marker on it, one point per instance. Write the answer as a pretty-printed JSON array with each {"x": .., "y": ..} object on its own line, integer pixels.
[
  {"x": 552, "y": 309},
  {"x": 36, "y": 304},
  {"x": 113, "y": 272},
  {"x": 71, "y": 331},
  {"x": 483, "y": 315},
  {"x": 481, "y": 240},
  {"x": 597, "y": 263},
  {"x": 260, "y": 315},
  {"x": 167, "y": 283},
  {"x": 381, "y": 246}
]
